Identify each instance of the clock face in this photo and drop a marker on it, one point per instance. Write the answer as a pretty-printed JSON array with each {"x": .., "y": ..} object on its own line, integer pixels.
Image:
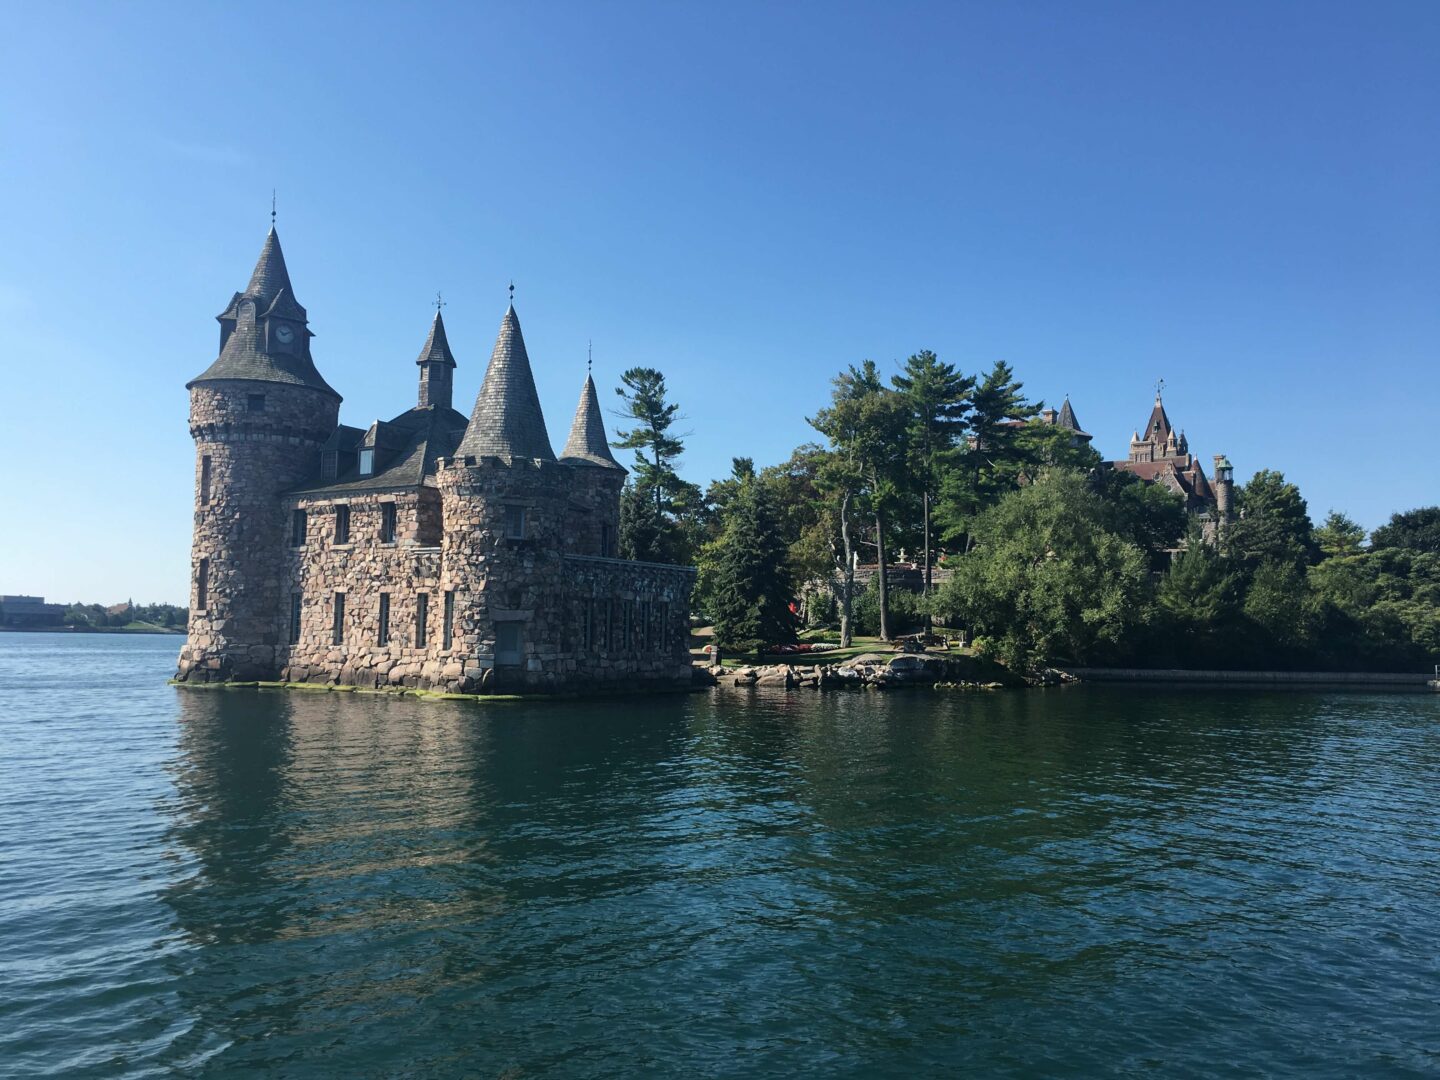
[{"x": 284, "y": 334}]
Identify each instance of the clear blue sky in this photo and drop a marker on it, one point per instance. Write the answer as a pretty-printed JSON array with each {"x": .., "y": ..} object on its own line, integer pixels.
[{"x": 1242, "y": 198}]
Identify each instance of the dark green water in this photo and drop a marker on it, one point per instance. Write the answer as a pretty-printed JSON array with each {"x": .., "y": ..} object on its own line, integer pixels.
[{"x": 1083, "y": 882}]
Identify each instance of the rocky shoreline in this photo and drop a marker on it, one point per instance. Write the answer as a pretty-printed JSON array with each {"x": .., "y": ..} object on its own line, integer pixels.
[{"x": 879, "y": 671}]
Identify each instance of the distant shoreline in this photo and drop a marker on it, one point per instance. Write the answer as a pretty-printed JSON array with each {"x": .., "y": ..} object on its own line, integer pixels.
[{"x": 87, "y": 630}]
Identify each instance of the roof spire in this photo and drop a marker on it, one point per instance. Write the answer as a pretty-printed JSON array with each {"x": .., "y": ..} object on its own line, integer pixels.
[
  {"x": 507, "y": 421},
  {"x": 587, "y": 444}
]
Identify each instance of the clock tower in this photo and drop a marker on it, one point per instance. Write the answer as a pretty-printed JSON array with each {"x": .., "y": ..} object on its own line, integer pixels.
[{"x": 258, "y": 415}]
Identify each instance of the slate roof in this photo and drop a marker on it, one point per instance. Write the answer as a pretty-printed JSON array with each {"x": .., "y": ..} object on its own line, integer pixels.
[
  {"x": 1066, "y": 419},
  {"x": 243, "y": 355},
  {"x": 587, "y": 443},
  {"x": 437, "y": 347},
  {"x": 1182, "y": 474},
  {"x": 507, "y": 421},
  {"x": 407, "y": 448}
]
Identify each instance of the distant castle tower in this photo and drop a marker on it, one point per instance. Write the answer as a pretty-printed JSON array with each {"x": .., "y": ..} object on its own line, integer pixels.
[
  {"x": 1224, "y": 486},
  {"x": 258, "y": 415}
]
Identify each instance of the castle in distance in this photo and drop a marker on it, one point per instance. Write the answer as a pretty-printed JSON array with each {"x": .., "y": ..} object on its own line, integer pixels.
[
  {"x": 1163, "y": 457},
  {"x": 425, "y": 551}
]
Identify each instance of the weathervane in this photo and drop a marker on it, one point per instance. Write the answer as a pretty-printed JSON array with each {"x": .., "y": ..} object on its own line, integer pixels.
[
  {"x": 589, "y": 356},
  {"x": 439, "y": 302},
  {"x": 512, "y": 292},
  {"x": 1159, "y": 385},
  {"x": 272, "y": 208}
]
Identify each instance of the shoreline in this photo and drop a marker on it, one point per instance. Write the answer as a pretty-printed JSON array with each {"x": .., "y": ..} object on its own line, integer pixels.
[{"x": 67, "y": 630}]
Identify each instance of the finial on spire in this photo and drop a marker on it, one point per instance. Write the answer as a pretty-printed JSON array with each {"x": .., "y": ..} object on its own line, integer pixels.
[
  {"x": 1159, "y": 386},
  {"x": 439, "y": 302},
  {"x": 589, "y": 356},
  {"x": 272, "y": 208},
  {"x": 512, "y": 292}
]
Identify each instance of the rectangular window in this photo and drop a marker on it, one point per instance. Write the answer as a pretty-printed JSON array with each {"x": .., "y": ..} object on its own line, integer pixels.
[
  {"x": 447, "y": 627},
  {"x": 515, "y": 523},
  {"x": 387, "y": 523},
  {"x": 662, "y": 625},
  {"x": 255, "y": 403},
  {"x": 367, "y": 462},
  {"x": 587, "y": 625},
  {"x": 382, "y": 636},
  {"x": 627, "y": 623},
  {"x": 507, "y": 643},
  {"x": 337, "y": 626},
  {"x": 342, "y": 524},
  {"x": 422, "y": 617},
  {"x": 295, "y": 602},
  {"x": 642, "y": 626},
  {"x": 297, "y": 528},
  {"x": 607, "y": 542},
  {"x": 202, "y": 584},
  {"x": 329, "y": 464},
  {"x": 605, "y": 606},
  {"x": 205, "y": 480}
]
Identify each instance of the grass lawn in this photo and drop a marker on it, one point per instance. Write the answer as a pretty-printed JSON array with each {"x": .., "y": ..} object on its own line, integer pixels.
[{"x": 700, "y": 638}]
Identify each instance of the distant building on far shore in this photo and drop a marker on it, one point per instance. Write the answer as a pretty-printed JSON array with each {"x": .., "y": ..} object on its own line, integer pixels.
[{"x": 25, "y": 612}]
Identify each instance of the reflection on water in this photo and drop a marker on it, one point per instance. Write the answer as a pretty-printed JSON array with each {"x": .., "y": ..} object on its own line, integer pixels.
[{"x": 1083, "y": 882}]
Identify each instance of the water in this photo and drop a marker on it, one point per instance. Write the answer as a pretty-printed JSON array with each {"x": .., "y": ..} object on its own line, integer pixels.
[{"x": 1087, "y": 882}]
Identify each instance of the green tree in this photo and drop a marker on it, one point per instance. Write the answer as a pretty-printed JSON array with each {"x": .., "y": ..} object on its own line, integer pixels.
[
  {"x": 1414, "y": 530},
  {"x": 1198, "y": 601},
  {"x": 1339, "y": 536},
  {"x": 1048, "y": 577},
  {"x": 657, "y": 453},
  {"x": 865, "y": 423},
  {"x": 937, "y": 399},
  {"x": 1277, "y": 601},
  {"x": 753, "y": 589},
  {"x": 1274, "y": 523}
]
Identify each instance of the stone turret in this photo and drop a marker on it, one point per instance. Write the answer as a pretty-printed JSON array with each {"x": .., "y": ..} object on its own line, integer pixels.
[
  {"x": 1224, "y": 486},
  {"x": 259, "y": 415},
  {"x": 437, "y": 368},
  {"x": 595, "y": 510}
]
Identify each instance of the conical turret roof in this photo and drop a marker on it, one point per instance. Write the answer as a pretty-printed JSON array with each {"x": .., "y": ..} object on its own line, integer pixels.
[
  {"x": 243, "y": 354},
  {"x": 1066, "y": 419},
  {"x": 587, "y": 443},
  {"x": 437, "y": 347},
  {"x": 1157, "y": 428},
  {"x": 269, "y": 276},
  {"x": 507, "y": 421}
]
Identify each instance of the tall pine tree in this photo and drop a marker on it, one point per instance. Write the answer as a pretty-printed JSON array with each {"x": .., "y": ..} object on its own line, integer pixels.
[{"x": 753, "y": 590}]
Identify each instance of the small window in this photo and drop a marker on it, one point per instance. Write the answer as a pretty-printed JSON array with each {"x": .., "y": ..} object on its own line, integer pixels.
[
  {"x": 387, "y": 523},
  {"x": 607, "y": 541},
  {"x": 627, "y": 622},
  {"x": 447, "y": 626},
  {"x": 255, "y": 403},
  {"x": 337, "y": 626},
  {"x": 587, "y": 625},
  {"x": 507, "y": 643},
  {"x": 662, "y": 625},
  {"x": 422, "y": 616},
  {"x": 642, "y": 626},
  {"x": 295, "y": 603},
  {"x": 367, "y": 462},
  {"x": 383, "y": 636},
  {"x": 606, "y": 607},
  {"x": 515, "y": 523},
  {"x": 342, "y": 524},
  {"x": 202, "y": 584},
  {"x": 297, "y": 528},
  {"x": 205, "y": 480},
  {"x": 329, "y": 464}
]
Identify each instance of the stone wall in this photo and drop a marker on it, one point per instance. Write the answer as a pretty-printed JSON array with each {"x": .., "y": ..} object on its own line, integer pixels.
[
  {"x": 576, "y": 620},
  {"x": 253, "y": 454}
]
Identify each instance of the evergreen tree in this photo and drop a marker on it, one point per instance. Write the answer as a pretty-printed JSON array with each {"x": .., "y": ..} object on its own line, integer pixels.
[
  {"x": 662, "y": 494},
  {"x": 1274, "y": 524},
  {"x": 1339, "y": 536},
  {"x": 753, "y": 589},
  {"x": 937, "y": 397}
]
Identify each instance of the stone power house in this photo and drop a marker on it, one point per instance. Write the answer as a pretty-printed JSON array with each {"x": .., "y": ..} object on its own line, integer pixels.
[{"x": 423, "y": 551}]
